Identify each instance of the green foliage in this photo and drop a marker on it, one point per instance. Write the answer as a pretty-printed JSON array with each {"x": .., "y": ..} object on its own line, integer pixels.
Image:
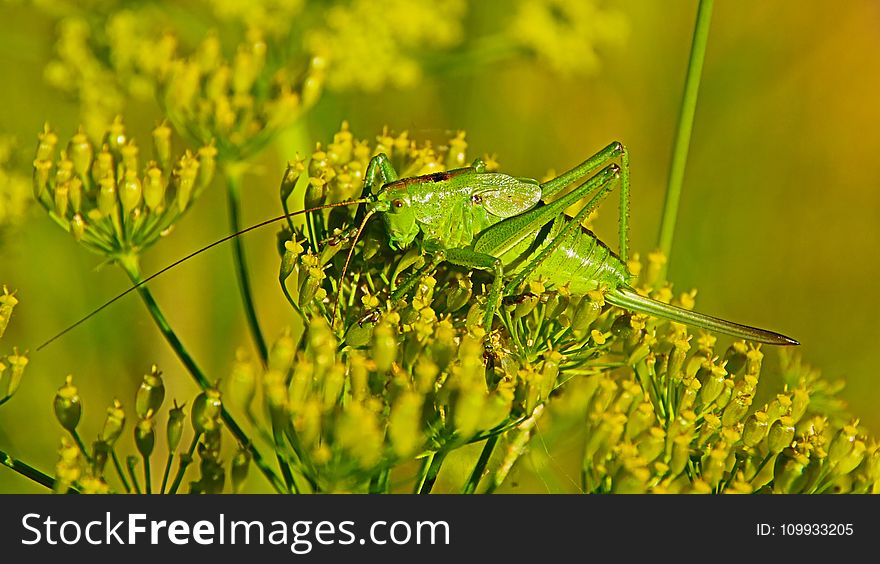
[{"x": 382, "y": 396}]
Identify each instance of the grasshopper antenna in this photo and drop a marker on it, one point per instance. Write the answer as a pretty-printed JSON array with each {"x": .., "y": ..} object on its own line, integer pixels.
[
  {"x": 193, "y": 254},
  {"x": 348, "y": 260}
]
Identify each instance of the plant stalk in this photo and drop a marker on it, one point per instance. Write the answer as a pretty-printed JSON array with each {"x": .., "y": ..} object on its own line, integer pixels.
[
  {"x": 685, "y": 127},
  {"x": 233, "y": 184},
  {"x": 131, "y": 267}
]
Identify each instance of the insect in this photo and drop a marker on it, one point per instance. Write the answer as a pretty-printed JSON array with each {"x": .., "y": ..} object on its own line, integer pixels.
[
  {"x": 509, "y": 226},
  {"x": 505, "y": 225}
]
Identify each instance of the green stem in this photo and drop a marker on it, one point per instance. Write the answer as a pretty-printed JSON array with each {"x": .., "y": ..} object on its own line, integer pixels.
[
  {"x": 233, "y": 192},
  {"x": 685, "y": 126},
  {"x": 81, "y": 445},
  {"x": 147, "y": 480},
  {"x": 185, "y": 461},
  {"x": 429, "y": 472},
  {"x": 168, "y": 462},
  {"x": 474, "y": 480},
  {"x": 29, "y": 472},
  {"x": 131, "y": 462},
  {"x": 129, "y": 263},
  {"x": 119, "y": 471}
]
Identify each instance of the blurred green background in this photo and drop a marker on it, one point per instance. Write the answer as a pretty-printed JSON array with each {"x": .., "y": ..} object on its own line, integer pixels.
[{"x": 779, "y": 223}]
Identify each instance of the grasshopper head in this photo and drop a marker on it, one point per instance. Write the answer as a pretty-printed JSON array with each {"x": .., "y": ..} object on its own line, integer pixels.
[{"x": 395, "y": 205}]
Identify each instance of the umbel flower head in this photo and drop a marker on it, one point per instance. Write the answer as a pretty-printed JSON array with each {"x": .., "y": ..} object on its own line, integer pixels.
[
  {"x": 386, "y": 380},
  {"x": 240, "y": 103},
  {"x": 107, "y": 197}
]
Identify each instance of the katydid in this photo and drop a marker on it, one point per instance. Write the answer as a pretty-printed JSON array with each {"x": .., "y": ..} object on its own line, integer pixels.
[
  {"x": 511, "y": 227},
  {"x": 505, "y": 225}
]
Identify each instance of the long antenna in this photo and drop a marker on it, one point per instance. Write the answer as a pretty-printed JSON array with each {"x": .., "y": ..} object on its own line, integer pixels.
[
  {"x": 198, "y": 252},
  {"x": 345, "y": 266}
]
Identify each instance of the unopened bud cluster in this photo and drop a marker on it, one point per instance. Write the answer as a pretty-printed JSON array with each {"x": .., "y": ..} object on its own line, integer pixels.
[{"x": 108, "y": 196}]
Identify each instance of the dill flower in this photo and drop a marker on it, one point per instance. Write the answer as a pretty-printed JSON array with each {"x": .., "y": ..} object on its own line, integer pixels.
[
  {"x": 106, "y": 199},
  {"x": 567, "y": 34},
  {"x": 371, "y": 44}
]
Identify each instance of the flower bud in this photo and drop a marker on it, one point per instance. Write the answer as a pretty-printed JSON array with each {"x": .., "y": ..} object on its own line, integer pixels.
[
  {"x": 102, "y": 166},
  {"x": 61, "y": 199},
  {"x": 780, "y": 435},
  {"x": 587, "y": 311},
  {"x": 240, "y": 464},
  {"x": 145, "y": 436},
  {"x": 711, "y": 378},
  {"x": 459, "y": 294},
  {"x": 47, "y": 142},
  {"x": 799, "y": 402},
  {"x": 75, "y": 194},
  {"x": 80, "y": 152},
  {"x": 174, "y": 428},
  {"x": 680, "y": 455},
  {"x": 162, "y": 145},
  {"x": 242, "y": 384},
  {"x": 41, "y": 177},
  {"x": 755, "y": 428},
  {"x": 77, "y": 227},
  {"x": 384, "y": 347},
  {"x": 107, "y": 196},
  {"x": 207, "y": 167},
  {"x": 130, "y": 157},
  {"x": 150, "y": 394},
  {"x": 206, "y": 411},
  {"x": 115, "y": 136},
  {"x": 291, "y": 177},
  {"x": 7, "y": 304},
  {"x": 282, "y": 352},
  {"x": 68, "y": 408},
  {"x": 154, "y": 188},
  {"x": 130, "y": 191},
  {"x": 100, "y": 454},
  {"x": 736, "y": 409},
  {"x": 113, "y": 423},
  {"x": 557, "y": 302},
  {"x": 185, "y": 178},
  {"x": 735, "y": 357},
  {"x": 17, "y": 363},
  {"x": 843, "y": 442}
]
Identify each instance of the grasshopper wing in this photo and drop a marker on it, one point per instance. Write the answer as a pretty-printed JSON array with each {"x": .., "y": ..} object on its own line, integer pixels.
[{"x": 506, "y": 196}]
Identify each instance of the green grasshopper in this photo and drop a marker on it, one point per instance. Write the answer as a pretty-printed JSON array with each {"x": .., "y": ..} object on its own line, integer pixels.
[
  {"x": 502, "y": 224},
  {"x": 505, "y": 225}
]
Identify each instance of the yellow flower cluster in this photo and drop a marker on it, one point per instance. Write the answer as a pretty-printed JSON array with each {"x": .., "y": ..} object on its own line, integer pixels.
[
  {"x": 568, "y": 34},
  {"x": 238, "y": 103},
  {"x": 370, "y": 44},
  {"x": 106, "y": 198}
]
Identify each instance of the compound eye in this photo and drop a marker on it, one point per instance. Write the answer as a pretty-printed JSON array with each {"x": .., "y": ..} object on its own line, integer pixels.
[
  {"x": 397, "y": 203},
  {"x": 477, "y": 199}
]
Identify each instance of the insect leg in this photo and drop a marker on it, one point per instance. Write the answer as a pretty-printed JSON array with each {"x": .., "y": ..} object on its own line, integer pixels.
[
  {"x": 613, "y": 151},
  {"x": 472, "y": 259},
  {"x": 594, "y": 202},
  {"x": 508, "y": 233}
]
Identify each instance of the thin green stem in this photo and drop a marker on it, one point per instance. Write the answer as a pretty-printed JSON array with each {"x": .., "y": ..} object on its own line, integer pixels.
[
  {"x": 185, "y": 461},
  {"x": 29, "y": 472},
  {"x": 147, "y": 481},
  {"x": 129, "y": 263},
  {"x": 81, "y": 445},
  {"x": 474, "y": 480},
  {"x": 119, "y": 471},
  {"x": 429, "y": 472},
  {"x": 233, "y": 193},
  {"x": 131, "y": 462},
  {"x": 167, "y": 472},
  {"x": 685, "y": 126}
]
